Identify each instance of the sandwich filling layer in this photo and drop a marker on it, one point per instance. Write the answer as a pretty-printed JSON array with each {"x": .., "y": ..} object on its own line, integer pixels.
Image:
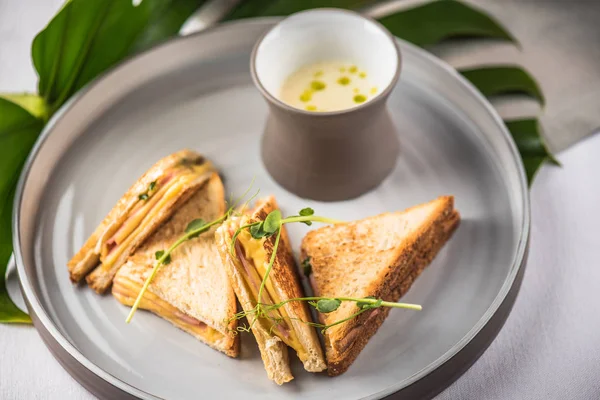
[
  {"x": 174, "y": 181},
  {"x": 252, "y": 262},
  {"x": 127, "y": 290}
]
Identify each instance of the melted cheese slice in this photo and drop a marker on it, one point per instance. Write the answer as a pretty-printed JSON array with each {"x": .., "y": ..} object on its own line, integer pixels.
[
  {"x": 142, "y": 214},
  {"x": 126, "y": 291},
  {"x": 257, "y": 256}
]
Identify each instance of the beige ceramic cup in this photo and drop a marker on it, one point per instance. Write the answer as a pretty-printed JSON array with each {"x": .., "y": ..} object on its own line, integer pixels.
[{"x": 328, "y": 156}]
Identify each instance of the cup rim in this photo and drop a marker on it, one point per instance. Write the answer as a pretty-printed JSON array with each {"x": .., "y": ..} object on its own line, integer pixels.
[{"x": 383, "y": 95}]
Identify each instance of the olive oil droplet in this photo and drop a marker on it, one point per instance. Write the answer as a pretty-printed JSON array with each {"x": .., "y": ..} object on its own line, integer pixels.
[
  {"x": 306, "y": 96},
  {"x": 317, "y": 85},
  {"x": 353, "y": 69},
  {"x": 359, "y": 98},
  {"x": 356, "y": 90},
  {"x": 362, "y": 75},
  {"x": 344, "y": 80},
  {"x": 311, "y": 108},
  {"x": 318, "y": 73},
  {"x": 373, "y": 90}
]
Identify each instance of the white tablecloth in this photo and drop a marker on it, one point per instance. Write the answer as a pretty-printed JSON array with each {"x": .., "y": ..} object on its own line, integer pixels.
[{"x": 548, "y": 348}]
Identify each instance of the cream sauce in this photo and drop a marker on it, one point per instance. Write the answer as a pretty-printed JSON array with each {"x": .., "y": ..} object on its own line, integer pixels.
[{"x": 327, "y": 86}]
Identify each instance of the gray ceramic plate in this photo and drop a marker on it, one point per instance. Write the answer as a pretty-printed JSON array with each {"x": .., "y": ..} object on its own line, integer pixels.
[{"x": 196, "y": 92}]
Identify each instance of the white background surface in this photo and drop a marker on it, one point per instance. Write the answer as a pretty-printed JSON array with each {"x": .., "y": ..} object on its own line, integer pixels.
[{"x": 548, "y": 348}]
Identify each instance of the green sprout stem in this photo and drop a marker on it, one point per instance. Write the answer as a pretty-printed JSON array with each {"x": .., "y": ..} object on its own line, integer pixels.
[
  {"x": 407, "y": 306},
  {"x": 271, "y": 262},
  {"x": 311, "y": 218},
  {"x": 237, "y": 233},
  {"x": 341, "y": 321}
]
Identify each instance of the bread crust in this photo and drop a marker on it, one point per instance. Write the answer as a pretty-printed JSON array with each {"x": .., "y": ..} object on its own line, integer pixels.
[{"x": 343, "y": 345}]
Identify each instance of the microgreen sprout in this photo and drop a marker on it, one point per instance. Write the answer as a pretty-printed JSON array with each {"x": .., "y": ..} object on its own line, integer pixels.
[{"x": 271, "y": 226}]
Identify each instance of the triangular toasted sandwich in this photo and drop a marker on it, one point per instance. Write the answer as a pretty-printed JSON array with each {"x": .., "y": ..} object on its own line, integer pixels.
[
  {"x": 193, "y": 290},
  {"x": 147, "y": 204},
  {"x": 376, "y": 257},
  {"x": 246, "y": 270}
]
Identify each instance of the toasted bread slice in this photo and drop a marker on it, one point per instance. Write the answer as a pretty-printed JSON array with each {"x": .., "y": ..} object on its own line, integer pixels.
[
  {"x": 246, "y": 270},
  {"x": 147, "y": 204},
  {"x": 193, "y": 291},
  {"x": 379, "y": 256}
]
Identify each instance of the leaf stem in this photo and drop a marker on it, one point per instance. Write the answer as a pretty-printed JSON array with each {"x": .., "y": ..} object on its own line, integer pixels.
[
  {"x": 236, "y": 234},
  {"x": 311, "y": 218},
  {"x": 235, "y": 203}
]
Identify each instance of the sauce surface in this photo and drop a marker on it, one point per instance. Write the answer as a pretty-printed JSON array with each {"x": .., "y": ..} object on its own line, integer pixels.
[{"x": 327, "y": 86}]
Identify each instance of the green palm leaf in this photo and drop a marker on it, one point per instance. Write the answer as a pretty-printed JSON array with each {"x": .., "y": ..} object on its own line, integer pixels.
[
  {"x": 87, "y": 37},
  {"x": 435, "y": 22},
  {"x": 272, "y": 8},
  {"x": 18, "y": 131},
  {"x": 501, "y": 80},
  {"x": 533, "y": 150}
]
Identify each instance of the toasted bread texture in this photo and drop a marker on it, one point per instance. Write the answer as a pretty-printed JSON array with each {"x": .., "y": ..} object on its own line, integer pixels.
[
  {"x": 194, "y": 284},
  {"x": 286, "y": 283},
  {"x": 379, "y": 256},
  {"x": 88, "y": 258}
]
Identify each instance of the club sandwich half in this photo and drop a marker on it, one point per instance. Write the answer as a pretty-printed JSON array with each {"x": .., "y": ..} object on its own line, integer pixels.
[
  {"x": 146, "y": 206},
  {"x": 246, "y": 269},
  {"x": 193, "y": 290}
]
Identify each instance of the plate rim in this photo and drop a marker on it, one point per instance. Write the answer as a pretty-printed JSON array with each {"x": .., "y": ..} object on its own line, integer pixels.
[{"x": 49, "y": 331}]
